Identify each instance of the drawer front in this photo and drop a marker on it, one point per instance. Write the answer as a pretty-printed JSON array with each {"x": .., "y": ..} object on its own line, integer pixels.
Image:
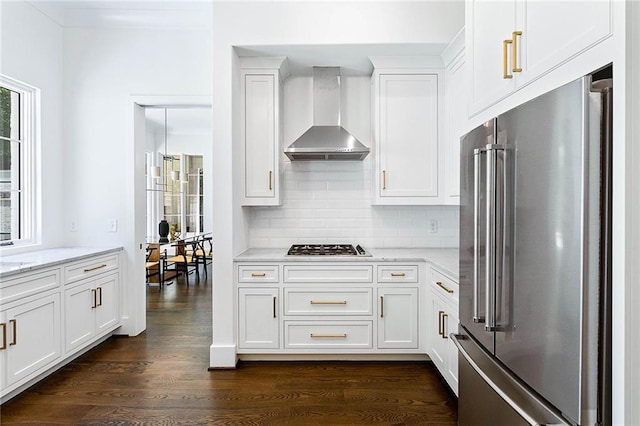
[
  {"x": 444, "y": 285},
  {"x": 328, "y": 302},
  {"x": 328, "y": 274},
  {"x": 28, "y": 284},
  {"x": 328, "y": 334},
  {"x": 398, "y": 274},
  {"x": 90, "y": 267},
  {"x": 258, "y": 273}
]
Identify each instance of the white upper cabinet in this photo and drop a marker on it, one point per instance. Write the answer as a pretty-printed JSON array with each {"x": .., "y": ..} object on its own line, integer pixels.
[
  {"x": 511, "y": 43},
  {"x": 261, "y": 129},
  {"x": 408, "y": 107}
]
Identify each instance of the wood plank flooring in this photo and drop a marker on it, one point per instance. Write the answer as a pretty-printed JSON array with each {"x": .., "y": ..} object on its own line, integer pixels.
[{"x": 161, "y": 378}]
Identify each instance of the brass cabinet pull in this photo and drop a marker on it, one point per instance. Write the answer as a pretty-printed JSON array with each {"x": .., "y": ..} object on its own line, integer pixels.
[
  {"x": 444, "y": 326},
  {"x": 104, "y": 265},
  {"x": 440, "y": 328},
  {"x": 322, "y": 335},
  {"x": 397, "y": 274},
  {"x": 328, "y": 302},
  {"x": 274, "y": 306},
  {"x": 95, "y": 301},
  {"x": 258, "y": 274},
  {"x": 4, "y": 336},
  {"x": 270, "y": 180},
  {"x": 381, "y": 306},
  {"x": 442, "y": 286},
  {"x": 514, "y": 51},
  {"x": 14, "y": 327},
  {"x": 505, "y": 50},
  {"x": 384, "y": 179},
  {"x": 99, "y": 296}
]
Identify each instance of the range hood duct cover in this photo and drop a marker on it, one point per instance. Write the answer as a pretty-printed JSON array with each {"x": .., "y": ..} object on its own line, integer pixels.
[{"x": 326, "y": 139}]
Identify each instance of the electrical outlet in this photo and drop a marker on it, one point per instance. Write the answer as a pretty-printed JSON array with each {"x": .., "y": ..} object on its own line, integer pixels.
[
  {"x": 113, "y": 225},
  {"x": 73, "y": 226},
  {"x": 433, "y": 226}
]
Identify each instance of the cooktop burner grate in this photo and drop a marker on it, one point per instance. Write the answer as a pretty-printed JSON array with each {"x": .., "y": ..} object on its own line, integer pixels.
[{"x": 325, "y": 250}]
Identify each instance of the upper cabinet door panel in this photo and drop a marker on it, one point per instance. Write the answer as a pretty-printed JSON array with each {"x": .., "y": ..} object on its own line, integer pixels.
[
  {"x": 554, "y": 32},
  {"x": 409, "y": 135},
  {"x": 260, "y": 137},
  {"x": 489, "y": 23}
]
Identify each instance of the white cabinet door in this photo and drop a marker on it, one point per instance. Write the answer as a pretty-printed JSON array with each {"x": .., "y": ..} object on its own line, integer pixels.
[
  {"x": 443, "y": 353},
  {"x": 407, "y": 142},
  {"x": 438, "y": 352},
  {"x": 80, "y": 305},
  {"x": 33, "y": 337},
  {"x": 457, "y": 115},
  {"x": 108, "y": 306},
  {"x": 450, "y": 325},
  {"x": 258, "y": 322},
  {"x": 489, "y": 23},
  {"x": 554, "y": 32},
  {"x": 260, "y": 135},
  {"x": 398, "y": 318}
]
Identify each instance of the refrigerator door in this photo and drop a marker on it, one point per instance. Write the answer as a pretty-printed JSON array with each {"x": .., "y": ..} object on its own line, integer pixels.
[
  {"x": 473, "y": 232},
  {"x": 543, "y": 339}
]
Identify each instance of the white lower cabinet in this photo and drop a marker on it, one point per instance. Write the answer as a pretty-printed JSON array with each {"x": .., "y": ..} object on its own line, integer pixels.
[
  {"x": 443, "y": 321},
  {"x": 325, "y": 308},
  {"x": 258, "y": 318},
  {"x": 91, "y": 308},
  {"x": 30, "y": 335}
]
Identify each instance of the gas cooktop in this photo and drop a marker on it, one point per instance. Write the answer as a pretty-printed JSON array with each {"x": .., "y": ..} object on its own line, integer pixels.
[{"x": 326, "y": 250}]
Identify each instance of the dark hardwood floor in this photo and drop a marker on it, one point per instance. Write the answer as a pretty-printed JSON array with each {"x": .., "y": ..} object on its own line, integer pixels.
[{"x": 161, "y": 378}]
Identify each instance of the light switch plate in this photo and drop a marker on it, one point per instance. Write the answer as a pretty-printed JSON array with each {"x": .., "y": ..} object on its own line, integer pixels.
[{"x": 113, "y": 225}]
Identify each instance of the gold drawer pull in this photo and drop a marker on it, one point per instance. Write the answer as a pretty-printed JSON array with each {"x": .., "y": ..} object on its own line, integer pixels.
[
  {"x": 95, "y": 298},
  {"x": 448, "y": 290},
  {"x": 397, "y": 274},
  {"x": 258, "y": 274},
  {"x": 440, "y": 327},
  {"x": 14, "y": 326},
  {"x": 270, "y": 180},
  {"x": 4, "y": 336},
  {"x": 444, "y": 326},
  {"x": 321, "y": 335},
  {"x": 384, "y": 179},
  {"x": 328, "y": 302},
  {"x": 514, "y": 51},
  {"x": 104, "y": 265},
  {"x": 505, "y": 66}
]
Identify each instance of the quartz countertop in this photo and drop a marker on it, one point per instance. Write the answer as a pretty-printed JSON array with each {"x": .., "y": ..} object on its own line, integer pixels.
[
  {"x": 444, "y": 259},
  {"x": 26, "y": 262}
]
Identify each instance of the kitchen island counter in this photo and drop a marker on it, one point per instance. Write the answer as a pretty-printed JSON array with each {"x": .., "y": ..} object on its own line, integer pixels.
[{"x": 444, "y": 259}]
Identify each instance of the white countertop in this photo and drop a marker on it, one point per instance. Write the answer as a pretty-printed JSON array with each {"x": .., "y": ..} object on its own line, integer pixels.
[
  {"x": 25, "y": 262},
  {"x": 444, "y": 259}
]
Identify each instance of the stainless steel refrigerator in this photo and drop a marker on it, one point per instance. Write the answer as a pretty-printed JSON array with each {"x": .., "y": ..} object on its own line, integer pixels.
[{"x": 534, "y": 342}]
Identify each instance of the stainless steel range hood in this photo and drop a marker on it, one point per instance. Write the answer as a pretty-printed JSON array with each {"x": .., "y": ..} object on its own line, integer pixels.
[{"x": 326, "y": 139}]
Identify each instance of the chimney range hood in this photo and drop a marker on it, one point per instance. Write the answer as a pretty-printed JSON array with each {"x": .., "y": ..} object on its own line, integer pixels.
[{"x": 326, "y": 139}]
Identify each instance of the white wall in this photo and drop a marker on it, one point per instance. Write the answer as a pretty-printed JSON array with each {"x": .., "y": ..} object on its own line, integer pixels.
[
  {"x": 31, "y": 51},
  {"x": 274, "y": 23},
  {"x": 105, "y": 69}
]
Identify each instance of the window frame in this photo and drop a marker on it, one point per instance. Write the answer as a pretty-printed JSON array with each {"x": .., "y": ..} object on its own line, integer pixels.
[{"x": 29, "y": 222}]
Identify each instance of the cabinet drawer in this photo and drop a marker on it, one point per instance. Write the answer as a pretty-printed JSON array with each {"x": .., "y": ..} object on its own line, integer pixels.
[
  {"x": 90, "y": 267},
  {"x": 398, "y": 274},
  {"x": 328, "y": 274},
  {"x": 328, "y": 302},
  {"x": 328, "y": 334},
  {"x": 258, "y": 273},
  {"x": 28, "y": 284},
  {"x": 444, "y": 285}
]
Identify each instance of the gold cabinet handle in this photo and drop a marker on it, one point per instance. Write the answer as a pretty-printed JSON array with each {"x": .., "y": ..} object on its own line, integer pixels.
[
  {"x": 397, "y": 274},
  {"x": 258, "y": 274},
  {"x": 95, "y": 300},
  {"x": 14, "y": 327},
  {"x": 440, "y": 328},
  {"x": 442, "y": 286},
  {"x": 270, "y": 180},
  {"x": 444, "y": 326},
  {"x": 384, "y": 179},
  {"x": 4, "y": 336},
  {"x": 104, "y": 265},
  {"x": 99, "y": 296},
  {"x": 505, "y": 50},
  {"x": 274, "y": 306},
  {"x": 328, "y": 302},
  {"x": 514, "y": 51},
  {"x": 381, "y": 306},
  {"x": 329, "y": 335}
]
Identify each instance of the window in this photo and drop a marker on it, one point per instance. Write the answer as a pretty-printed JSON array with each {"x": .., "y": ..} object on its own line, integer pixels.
[{"x": 17, "y": 139}]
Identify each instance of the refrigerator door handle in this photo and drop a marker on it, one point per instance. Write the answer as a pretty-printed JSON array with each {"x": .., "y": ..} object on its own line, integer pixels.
[
  {"x": 494, "y": 215},
  {"x": 477, "y": 154}
]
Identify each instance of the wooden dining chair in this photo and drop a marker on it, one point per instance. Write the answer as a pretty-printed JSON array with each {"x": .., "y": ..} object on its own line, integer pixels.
[
  {"x": 184, "y": 261},
  {"x": 152, "y": 265}
]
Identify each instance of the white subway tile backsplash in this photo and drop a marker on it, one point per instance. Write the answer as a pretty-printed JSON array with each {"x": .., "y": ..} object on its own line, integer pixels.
[{"x": 331, "y": 202}]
